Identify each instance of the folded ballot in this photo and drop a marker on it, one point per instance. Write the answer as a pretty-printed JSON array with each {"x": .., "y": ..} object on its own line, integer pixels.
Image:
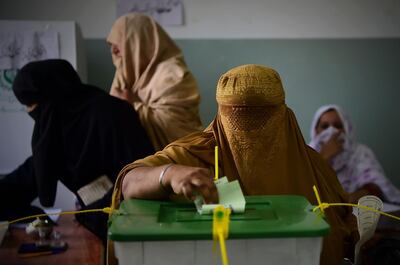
[{"x": 230, "y": 195}]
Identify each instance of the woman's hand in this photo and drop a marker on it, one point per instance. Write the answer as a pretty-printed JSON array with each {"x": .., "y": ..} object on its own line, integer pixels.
[
  {"x": 143, "y": 183},
  {"x": 332, "y": 147},
  {"x": 191, "y": 181},
  {"x": 124, "y": 94},
  {"x": 367, "y": 189}
]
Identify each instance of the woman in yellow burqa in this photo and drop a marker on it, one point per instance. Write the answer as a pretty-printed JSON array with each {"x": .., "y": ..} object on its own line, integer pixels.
[{"x": 260, "y": 145}]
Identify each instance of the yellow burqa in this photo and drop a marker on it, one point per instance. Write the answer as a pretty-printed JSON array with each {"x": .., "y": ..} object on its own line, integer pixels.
[
  {"x": 261, "y": 146},
  {"x": 151, "y": 69}
]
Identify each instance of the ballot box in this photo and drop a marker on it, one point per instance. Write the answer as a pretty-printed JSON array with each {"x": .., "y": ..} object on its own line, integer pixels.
[{"x": 272, "y": 230}]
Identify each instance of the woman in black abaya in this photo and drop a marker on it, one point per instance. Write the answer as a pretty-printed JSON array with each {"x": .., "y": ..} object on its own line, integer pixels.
[{"x": 82, "y": 137}]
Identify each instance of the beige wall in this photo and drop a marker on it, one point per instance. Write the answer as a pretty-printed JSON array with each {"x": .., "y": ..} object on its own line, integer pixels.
[{"x": 232, "y": 18}]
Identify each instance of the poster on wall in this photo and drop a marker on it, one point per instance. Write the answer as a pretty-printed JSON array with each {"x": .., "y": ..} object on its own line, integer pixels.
[
  {"x": 165, "y": 12},
  {"x": 18, "y": 46},
  {"x": 16, "y": 50}
]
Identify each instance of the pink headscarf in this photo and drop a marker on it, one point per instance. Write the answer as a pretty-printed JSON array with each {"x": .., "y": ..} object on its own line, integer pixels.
[{"x": 356, "y": 165}]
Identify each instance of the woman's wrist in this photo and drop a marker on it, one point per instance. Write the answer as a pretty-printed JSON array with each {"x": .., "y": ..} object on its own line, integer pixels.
[
  {"x": 367, "y": 189},
  {"x": 372, "y": 189},
  {"x": 164, "y": 181},
  {"x": 326, "y": 155}
]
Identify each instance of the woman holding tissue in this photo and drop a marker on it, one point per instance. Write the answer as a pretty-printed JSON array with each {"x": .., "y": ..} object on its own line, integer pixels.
[{"x": 355, "y": 164}]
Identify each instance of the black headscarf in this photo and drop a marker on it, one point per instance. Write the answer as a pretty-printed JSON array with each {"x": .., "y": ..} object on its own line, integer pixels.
[{"x": 80, "y": 131}]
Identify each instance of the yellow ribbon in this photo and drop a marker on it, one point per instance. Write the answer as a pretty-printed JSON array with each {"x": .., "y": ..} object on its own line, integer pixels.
[
  {"x": 323, "y": 205},
  {"x": 221, "y": 229}
]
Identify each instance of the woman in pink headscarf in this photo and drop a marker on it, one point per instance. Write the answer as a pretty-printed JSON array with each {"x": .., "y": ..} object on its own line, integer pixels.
[
  {"x": 355, "y": 164},
  {"x": 152, "y": 75}
]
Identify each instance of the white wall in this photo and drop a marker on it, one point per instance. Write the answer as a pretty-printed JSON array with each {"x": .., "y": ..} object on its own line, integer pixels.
[{"x": 233, "y": 18}]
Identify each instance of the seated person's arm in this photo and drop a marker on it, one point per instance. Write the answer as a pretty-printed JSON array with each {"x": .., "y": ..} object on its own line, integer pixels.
[
  {"x": 143, "y": 182},
  {"x": 369, "y": 176},
  {"x": 125, "y": 94},
  {"x": 367, "y": 189}
]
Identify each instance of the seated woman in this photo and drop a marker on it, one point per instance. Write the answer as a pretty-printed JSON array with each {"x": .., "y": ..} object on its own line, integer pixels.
[
  {"x": 82, "y": 137},
  {"x": 151, "y": 74},
  {"x": 260, "y": 145},
  {"x": 355, "y": 164}
]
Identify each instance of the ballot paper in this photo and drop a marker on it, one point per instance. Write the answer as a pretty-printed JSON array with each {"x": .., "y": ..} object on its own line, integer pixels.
[
  {"x": 230, "y": 195},
  {"x": 95, "y": 190}
]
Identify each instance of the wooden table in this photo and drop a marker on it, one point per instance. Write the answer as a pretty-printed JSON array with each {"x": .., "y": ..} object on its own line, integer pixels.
[
  {"x": 83, "y": 246},
  {"x": 389, "y": 225}
]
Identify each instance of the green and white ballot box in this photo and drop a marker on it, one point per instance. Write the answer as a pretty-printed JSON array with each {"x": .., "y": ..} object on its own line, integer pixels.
[{"x": 272, "y": 230}]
